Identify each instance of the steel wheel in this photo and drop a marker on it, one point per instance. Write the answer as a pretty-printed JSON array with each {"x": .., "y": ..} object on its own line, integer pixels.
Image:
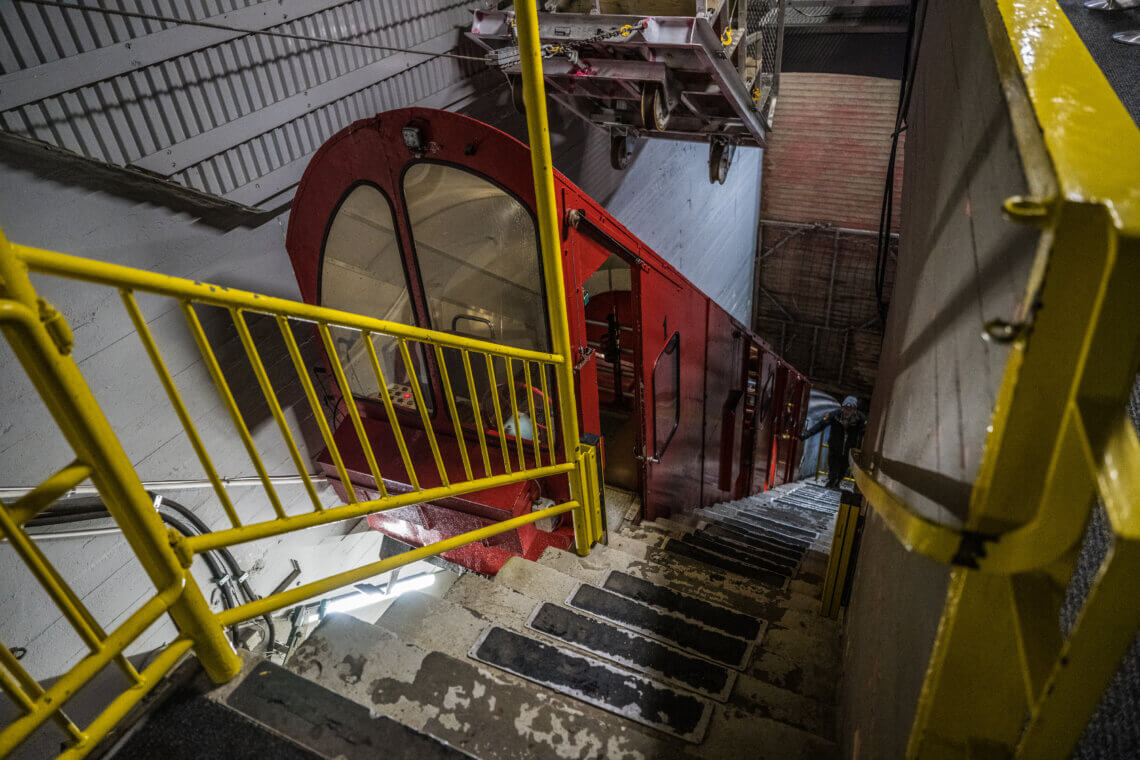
[
  {"x": 621, "y": 151},
  {"x": 720, "y": 159}
]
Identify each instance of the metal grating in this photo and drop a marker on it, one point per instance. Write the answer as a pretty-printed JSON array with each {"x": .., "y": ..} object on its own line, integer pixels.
[
  {"x": 764, "y": 35},
  {"x": 217, "y": 111}
]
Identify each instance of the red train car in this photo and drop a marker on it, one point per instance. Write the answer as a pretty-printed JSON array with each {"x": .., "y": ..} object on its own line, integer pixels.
[{"x": 427, "y": 217}]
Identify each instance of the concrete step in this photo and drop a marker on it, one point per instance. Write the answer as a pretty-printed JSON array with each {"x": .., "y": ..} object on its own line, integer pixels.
[
  {"x": 270, "y": 712},
  {"x": 491, "y": 714},
  {"x": 418, "y": 619},
  {"x": 804, "y": 654},
  {"x": 499, "y": 600},
  {"x": 480, "y": 710},
  {"x": 647, "y": 541},
  {"x": 732, "y": 564}
]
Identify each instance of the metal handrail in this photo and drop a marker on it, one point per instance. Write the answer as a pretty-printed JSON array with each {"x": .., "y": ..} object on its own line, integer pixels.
[{"x": 1003, "y": 674}]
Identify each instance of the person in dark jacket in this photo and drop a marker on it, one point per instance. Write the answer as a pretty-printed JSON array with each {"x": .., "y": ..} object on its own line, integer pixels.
[{"x": 845, "y": 430}]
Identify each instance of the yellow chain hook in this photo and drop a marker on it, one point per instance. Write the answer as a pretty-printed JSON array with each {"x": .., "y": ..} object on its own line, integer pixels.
[{"x": 726, "y": 37}]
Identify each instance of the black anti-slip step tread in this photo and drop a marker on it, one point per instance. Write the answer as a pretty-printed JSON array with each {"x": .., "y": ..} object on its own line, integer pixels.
[
  {"x": 749, "y": 556},
  {"x": 780, "y": 562},
  {"x": 783, "y": 519},
  {"x": 809, "y": 501},
  {"x": 699, "y": 554},
  {"x": 712, "y": 615},
  {"x": 192, "y": 727},
  {"x": 778, "y": 527},
  {"x": 728, "y": 533},
  {"x": 332, "y": 725},
  {"x": 804, "y": 515},
  {"x": 632, "y": 650},
  {"x": 762, "y": 533},
  {"x": 667, "y": 627},
  {"x": 595, "y": 682}
]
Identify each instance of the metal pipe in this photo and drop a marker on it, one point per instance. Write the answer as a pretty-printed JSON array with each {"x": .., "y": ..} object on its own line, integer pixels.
[
  {"x": 823, "y": 228},
  {"x": 546, "y": 208},
  {"x": 172, "y": 485}
]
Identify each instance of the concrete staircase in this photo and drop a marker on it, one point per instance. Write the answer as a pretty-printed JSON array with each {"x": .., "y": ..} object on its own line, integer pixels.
[{"x": 693, "y": 637}]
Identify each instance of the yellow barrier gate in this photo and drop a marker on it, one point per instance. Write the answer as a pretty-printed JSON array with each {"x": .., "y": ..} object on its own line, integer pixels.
[{"x": 42, "y": 341}]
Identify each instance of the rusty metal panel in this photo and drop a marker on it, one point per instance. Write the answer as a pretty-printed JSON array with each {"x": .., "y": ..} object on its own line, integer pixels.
[{"x": 827, "y": 154}]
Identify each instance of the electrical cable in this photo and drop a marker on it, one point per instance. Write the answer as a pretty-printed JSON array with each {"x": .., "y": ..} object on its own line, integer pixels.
[
  {"x": 241, "y": 577},
  {"x": 223, "y": 566},
  {"x": 916, "y": 24},
  {"x": 220, "y": 576},
  {"x": 227, "y": 28}
]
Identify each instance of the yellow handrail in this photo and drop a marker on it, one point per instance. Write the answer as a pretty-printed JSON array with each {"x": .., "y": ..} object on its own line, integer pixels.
[
  {"x": 1003, "y": 674},
  {"x": 42, "y": 341}
]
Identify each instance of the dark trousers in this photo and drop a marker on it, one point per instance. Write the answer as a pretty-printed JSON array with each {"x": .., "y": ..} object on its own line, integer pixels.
[{"x": 836, "y": 466}]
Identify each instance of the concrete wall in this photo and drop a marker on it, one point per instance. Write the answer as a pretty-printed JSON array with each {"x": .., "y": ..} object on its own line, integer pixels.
[{"x": 960, "y": 264}]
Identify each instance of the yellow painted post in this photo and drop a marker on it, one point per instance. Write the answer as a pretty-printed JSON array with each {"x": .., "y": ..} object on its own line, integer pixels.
[
  {"x": 45, "y": 356},
  {"x": 542, "y": 165}
]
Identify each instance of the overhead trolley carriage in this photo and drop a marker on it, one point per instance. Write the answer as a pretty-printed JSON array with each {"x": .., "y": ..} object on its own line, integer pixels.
[{"x": 695, "y": 70}]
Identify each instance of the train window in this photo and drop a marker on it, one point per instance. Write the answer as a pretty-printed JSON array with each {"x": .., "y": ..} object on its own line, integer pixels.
[
  {"x": 666, "y": 394},
  {"x": 478, "y": 256},
  {"x": 362, "y": 271}
]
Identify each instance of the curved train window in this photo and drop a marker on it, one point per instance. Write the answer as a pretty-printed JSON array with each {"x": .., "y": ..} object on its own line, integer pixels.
[
  {"x": 666, "y": 394},
  {"x": 362, "y": 271},
  {"x": 478, "y": 256}
]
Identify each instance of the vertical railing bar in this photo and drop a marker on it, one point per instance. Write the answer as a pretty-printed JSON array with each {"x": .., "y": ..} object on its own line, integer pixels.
[
  {"x": 180, "y": 410},
  {"x": 546, "y": 412},
  {"x": 24, "y": 690},
  {"x": 70, "y": 605},
  {"x": 350, "y": 405},
  {"x": 238, "y": 317},
  {"x": 534, "y": 436},
  {"x": 315, "y": 406},
  {"x": 477, "y": 411},
  {"x": 460, "y": 440},
  {"x": 515, "y": 413},
  {"x": 410, "y": 368},
  {"x": 227, "y": 395},
  {"x": 15, "y": 693},
  {"x": 390, "y": 410},
  {"x": 498, "y": 413}
]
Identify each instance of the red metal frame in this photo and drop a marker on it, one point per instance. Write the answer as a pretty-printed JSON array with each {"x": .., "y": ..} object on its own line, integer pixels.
[{"x": 705, "y": 460}]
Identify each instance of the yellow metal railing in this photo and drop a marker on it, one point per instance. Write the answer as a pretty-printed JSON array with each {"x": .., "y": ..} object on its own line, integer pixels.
[
  {"x": 1004, "y": 679},
  {"x": 42, "y": 341}
]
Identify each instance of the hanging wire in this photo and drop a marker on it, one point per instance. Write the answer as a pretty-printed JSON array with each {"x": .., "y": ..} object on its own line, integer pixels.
[
  {"x": 915, "y": 27},
  {"x": 240, "y": 30}
]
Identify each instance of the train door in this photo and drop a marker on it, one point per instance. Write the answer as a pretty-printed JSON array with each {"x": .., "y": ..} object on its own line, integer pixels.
[
  {"x": 764, "y": 428},
  {"x": 673, "y": 329},
  {"x": 788, "y": 418},
  {"x": 612, "y": 339},
  {"x": 724, "y": 406},
  {"x": 759, "y": 377}
]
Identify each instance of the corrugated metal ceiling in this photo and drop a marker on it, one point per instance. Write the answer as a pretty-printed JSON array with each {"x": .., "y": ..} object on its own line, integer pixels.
[{"x": 217, "y": 111}]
